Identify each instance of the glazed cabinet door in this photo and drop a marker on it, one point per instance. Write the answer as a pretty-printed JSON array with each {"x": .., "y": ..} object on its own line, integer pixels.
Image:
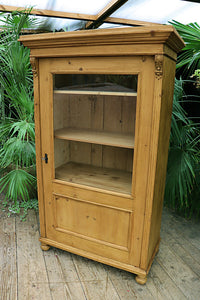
[{"x": 89, "y": 119}]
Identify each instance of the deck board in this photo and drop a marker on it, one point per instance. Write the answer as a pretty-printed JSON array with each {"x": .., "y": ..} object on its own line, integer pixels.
[
  {"x": 26, "y": 272},
  {"x": 161, "y": 285},
  {"x": 32, "y": 276},
  {"x": 8, "y": 265},
  {"x": 186, "y": 251}
]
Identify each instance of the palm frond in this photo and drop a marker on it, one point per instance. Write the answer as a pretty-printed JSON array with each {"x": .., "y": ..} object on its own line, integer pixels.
[
  {"x": 190, "y": 57},
  {"x": 23, "y": 130},
  {"x": 18, "y": 20},
  {"x": 17, "y": 136},
  {"x": 17, "y": 152},
  {"x": 17, "y": 184},
  {"x": 184, "y": 156}
]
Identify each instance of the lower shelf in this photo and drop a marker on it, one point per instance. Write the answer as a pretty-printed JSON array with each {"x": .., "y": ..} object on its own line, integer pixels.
[{"x": 104, "y": 178}]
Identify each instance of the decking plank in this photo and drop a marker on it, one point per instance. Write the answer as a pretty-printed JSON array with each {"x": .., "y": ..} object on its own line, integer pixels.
[
  {"x": 89, "y": 270},
  {"x": 32, "y": 275},
  {"x": 37, "y": 291},
  {"x": 8, "y": 268},
  {"x": 63, "y": 278},
  {"x": 27, "y": 272},
  {"x": 100, "y": 289},
  {"x": 94, "y": 279},
  {"x": 184, "y": 278},
  {"x": 161, "y": 285},
  {"x": 59, "y": 266},
  {"x": 186, "y": 251},
  {"x": 181, "y": 240},
  {"x": 188, "y": 230},
  {"x": 126, "y": 286},
  {"x": 66, "y": 290}
]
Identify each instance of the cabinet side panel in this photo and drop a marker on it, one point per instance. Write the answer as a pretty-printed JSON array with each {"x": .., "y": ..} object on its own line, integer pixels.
[
  {"x": 162, "y": 154},
  {"x": 142, "y": 152},
  {"x": 38, "y": 146}
]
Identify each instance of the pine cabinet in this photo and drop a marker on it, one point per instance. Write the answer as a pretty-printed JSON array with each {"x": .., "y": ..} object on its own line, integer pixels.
[{"x": 103, "y": 103}]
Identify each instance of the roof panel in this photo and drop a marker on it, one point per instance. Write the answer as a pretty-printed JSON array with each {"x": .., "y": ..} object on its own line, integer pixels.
[
  {"x": 157, "y": 11},
  {"x": 160, "y": 11}
]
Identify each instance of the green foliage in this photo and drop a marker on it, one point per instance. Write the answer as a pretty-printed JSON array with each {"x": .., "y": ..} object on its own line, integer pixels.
[
  {"x": 196, "y": 75},
  {"x": 190, "y": 56},
  {"x": 17, "y": 136},
  {"x": 18, "y": 183},
  {"x": 182, "y": 191},
  {"x": 14, "y": 23},
  {"x": 19, "y": 207}
]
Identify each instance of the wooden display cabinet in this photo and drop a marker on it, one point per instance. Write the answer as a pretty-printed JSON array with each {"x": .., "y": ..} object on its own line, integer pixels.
[{"x": 103, "y": 102}]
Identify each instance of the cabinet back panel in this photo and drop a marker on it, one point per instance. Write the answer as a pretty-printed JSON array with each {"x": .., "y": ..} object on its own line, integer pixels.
[
  {"x": 61, "y": 152},
  {"x": 117, "y": 158},
  {"x": 109, "y": 113},
  {"x": 61, "y": 111},
  {"x": 95, "y": 155}
]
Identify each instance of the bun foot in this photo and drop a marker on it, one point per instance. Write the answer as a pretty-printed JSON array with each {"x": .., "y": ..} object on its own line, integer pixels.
[
  {"x": 141, "y": 279},
  {"x": 44, "y": 247}
]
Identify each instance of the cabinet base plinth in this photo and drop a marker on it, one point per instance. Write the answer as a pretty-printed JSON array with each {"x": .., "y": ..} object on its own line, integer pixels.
[
  {"x": 141, "y": 279},
  {"x": 44, "y": 247}
]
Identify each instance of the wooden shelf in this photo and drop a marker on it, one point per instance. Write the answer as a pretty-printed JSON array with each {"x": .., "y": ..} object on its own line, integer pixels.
[
  {"x": 104, "y": 178},
  {"x": 97, "y": 93},
  {"x": 96, "y": 137}
]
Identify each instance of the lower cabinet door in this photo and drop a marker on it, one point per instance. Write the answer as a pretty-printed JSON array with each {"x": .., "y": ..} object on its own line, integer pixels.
[{"x": 90, "y": 226}]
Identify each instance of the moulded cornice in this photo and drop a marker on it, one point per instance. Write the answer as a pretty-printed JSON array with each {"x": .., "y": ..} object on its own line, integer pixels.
[{"x": 159, "y": 34}]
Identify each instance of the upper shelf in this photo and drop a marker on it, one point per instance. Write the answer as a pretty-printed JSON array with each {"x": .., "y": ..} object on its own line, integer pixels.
[
  {"x": 96, "y": 137},
  {"x": 104, "y": 89},
  {"x": 100, "y": 93}
]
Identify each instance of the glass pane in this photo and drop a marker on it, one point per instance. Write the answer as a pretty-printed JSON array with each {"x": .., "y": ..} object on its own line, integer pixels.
[{"x": 94, "y": 125}]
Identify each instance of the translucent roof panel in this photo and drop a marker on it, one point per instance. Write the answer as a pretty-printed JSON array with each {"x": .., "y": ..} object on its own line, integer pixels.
[
  {"x": 156, "y": 11},
  {"x": 90, "y": 7},
  {"x": 160, "y": 11}
]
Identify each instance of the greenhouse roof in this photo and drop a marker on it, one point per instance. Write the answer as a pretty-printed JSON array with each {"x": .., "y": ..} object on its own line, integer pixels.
[{"x": 76, "y": 14}]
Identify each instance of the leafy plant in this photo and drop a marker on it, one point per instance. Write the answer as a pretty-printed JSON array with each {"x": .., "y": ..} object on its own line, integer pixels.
[
  {"x": 190, "y": 56},
  {"x": 196, "y": 75},
  {"x": 17, "y": 137},
  {"x": 182, "y": 191}
]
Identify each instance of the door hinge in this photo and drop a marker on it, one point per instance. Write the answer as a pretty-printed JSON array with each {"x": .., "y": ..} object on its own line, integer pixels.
[{"x": 45, "y": 158}]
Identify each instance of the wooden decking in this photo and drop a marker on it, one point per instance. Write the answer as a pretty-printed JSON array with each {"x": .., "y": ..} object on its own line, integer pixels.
[{"x": 26, "y": 272}]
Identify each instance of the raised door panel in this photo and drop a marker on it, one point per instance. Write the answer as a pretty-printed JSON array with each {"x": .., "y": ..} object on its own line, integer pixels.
[{"x": 89, "y": 220}]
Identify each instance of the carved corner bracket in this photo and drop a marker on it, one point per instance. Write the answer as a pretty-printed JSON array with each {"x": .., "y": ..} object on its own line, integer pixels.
[
  {"x": 159, "y": 66},
  {"x": 34, "y": 64}
]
